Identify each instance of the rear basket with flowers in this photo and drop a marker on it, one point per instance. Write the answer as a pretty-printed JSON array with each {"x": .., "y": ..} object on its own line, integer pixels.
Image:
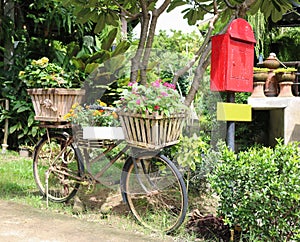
[
  {"x": 53, "y": 103},
  {"x": 51, "y": 89},
  {"x": 151, "y": 116}
]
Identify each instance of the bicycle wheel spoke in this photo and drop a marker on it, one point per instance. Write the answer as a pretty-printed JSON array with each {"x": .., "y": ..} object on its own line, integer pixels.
[
  {"x": 155, "y": 193},
  {"x": 56, "y": 164}
]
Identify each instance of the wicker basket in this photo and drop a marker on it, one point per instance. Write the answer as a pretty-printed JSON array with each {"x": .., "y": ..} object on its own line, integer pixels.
[
  {"x": 151, "y": 131},
  {"x": 53, "y": 103}
]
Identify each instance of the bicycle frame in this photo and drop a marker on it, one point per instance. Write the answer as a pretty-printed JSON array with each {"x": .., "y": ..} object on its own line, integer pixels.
[{"x": 63, "y": 162}]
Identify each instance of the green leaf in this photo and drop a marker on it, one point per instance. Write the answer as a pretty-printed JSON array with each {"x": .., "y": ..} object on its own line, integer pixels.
[
  {"x": 121, "y": 48},
  {"x": 90, "y": 67},
  {"x": 83, "y": 15},
  {"x": 100, "y": 23},
  {"x": 107, "y": 42},
  {"x": 175, "y": 4}
]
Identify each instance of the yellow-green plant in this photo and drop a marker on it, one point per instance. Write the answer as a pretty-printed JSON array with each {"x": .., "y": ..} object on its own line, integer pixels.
[{"x": 44, "y": 74}]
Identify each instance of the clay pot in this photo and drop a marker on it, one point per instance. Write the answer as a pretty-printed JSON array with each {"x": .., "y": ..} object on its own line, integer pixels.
[
  {"x": 286, "y": 77},
  {"x": 260, "y": 76}
]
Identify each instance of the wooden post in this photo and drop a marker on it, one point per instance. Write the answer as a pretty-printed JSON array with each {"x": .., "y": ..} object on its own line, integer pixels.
[
  {"x": 4, "y": 144},
  {"x": 230, "y": 124}
]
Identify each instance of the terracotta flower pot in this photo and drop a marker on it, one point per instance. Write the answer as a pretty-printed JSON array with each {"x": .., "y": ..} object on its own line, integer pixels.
[
  {"x": 286, "y": 76},
  {"x": 260, "y": 76}
]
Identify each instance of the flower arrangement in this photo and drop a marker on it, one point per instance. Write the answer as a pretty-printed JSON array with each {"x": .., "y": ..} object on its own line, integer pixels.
[
  {"x": 97, "y": 114},
  {"x": 156, "y": 97},
  {"x": 43, "y": 74}
]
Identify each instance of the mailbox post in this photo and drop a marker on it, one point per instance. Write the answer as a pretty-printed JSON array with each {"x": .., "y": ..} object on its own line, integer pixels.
[{"x": 232, "y": 61}]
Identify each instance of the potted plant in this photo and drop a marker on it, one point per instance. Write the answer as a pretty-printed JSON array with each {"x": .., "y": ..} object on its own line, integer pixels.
[
  {"x": 260, "y": 74},
  {"x": 97, "y": 121},
  {"x": 151, "y": 116},
  {"x": 51, "y": 89},
  {"x": 285, "y": 74}
]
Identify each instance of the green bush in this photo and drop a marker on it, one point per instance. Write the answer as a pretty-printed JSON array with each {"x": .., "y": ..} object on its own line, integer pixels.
[
  {"x": 259, "y": 190},
  {"x": 197, "y": 158}
]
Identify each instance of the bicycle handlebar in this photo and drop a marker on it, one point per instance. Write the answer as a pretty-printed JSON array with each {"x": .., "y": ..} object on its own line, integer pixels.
[{"x": 99, "y": 107}]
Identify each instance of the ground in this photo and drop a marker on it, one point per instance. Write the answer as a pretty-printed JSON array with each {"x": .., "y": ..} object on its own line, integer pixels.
[{"x": 23, "y": 223}]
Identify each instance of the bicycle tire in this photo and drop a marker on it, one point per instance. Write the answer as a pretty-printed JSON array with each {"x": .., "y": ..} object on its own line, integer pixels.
[
  {"x": 157, "y": 198},
  {"x": 63, "y": 168}
]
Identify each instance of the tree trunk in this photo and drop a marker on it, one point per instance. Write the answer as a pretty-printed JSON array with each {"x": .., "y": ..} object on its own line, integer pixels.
[
  {"x": 9, "y": 12},
  {"x": 141, "y": 59}
]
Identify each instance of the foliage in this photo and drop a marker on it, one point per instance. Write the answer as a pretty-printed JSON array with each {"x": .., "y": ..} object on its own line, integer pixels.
[
  {"x": 258, "y": 23},
  {"x": 282, "y": 41},
  {"x": 271, "y": 8},
  {"x": 191, "y": 151},
  {"x": 259, "y": 69},
  {"x": 42, "y": 74},
  {"x": 259, "y": 190},
  {"x": 50, "y": 20},
  {"x": 285, "y": 70},
  {"x": 92, "y": 115},
  {"x": 195, "y": 155},
  {"x": 156, "y": 97}
]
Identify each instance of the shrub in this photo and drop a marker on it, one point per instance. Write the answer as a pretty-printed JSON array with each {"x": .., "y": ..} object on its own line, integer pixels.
[
  {"x": 259, "y": 190},
  {"x": 197, "y": 157}
]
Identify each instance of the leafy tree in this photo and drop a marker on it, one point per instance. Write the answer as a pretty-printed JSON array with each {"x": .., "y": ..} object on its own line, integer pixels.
[{"x": 147, "y": 13}]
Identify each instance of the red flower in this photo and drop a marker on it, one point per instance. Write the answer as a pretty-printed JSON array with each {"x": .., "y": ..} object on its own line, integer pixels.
[{"x": 156, "y": 107}]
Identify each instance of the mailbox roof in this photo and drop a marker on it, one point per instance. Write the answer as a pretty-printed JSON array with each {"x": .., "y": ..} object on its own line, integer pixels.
[{"x": 242, "y": 30}]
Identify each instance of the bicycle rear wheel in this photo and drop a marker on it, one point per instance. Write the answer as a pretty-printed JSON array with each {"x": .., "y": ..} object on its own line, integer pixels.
[
  {"x": 59, "y": 162},
  {"x": 155, "y": 192}
]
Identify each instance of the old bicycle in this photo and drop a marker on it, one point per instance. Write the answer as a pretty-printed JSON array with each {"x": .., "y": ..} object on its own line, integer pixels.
[{"x": 150, "y": 183}]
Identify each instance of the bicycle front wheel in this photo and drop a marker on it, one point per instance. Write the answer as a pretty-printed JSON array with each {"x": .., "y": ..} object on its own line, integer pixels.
[
  {"x": 56, "y": 168},
  {"x": 155, "y": 192}
]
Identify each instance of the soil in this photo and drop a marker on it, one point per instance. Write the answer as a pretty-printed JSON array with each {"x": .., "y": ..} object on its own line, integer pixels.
[{"x": 24, "y": 223}]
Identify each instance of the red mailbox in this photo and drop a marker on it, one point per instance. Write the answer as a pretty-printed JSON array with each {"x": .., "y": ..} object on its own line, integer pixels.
[{"x": 232, "y": 58}]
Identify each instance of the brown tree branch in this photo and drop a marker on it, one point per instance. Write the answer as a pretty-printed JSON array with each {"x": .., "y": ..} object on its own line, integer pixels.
[
  {"x": 124, "y": 10},
  {"x": 136, "y": 60},
  {"x": 180, "y": 72},
  {"x": 151, "y": 33},
  {"x": 203, "y": 64},
  {"x": 244, "y": 7}
]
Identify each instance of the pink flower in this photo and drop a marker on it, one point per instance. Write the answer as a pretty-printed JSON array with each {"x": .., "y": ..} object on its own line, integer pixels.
[
  {"x": 156, "y": 83},
  {"x": 138, "y": 102},
  {"x": 164, "y": 94},
  {"x": 169, "y": 85},
  {"x": 130, "y": 84},
  {"x": 156, "y": 107},
  {"x": 134, "y": 90}
]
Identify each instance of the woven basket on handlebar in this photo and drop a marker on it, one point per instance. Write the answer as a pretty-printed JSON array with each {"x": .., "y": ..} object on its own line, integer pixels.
[{"x": 151, "y": 131}]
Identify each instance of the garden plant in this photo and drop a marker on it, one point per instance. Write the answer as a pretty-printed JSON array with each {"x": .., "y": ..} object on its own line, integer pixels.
[{"x": 259, "y": 191}]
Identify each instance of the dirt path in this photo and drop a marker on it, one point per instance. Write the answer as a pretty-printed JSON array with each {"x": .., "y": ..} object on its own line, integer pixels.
[{"x": 23, "y": 223}]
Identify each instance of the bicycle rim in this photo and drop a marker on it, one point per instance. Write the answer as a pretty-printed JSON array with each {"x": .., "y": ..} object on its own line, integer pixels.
[
  {"x": 157, "y": 196},
  {"x": 59, "y": 163}
]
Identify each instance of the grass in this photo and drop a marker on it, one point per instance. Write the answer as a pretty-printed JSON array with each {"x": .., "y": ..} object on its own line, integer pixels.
[{"x": 17, "y": 184}]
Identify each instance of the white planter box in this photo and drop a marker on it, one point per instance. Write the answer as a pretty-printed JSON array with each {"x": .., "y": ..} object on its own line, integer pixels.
[{"x": 100, "y": 133}]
